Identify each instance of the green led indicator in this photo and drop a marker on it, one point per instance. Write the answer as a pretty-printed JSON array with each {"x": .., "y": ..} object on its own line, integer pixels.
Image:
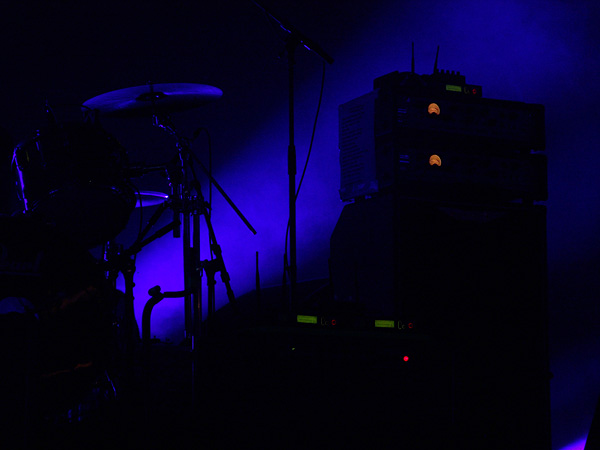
[
  {"x": 453, "y": 88},
  {"x": 385, "y": 324},
  {"x": 306, "y": 319}
]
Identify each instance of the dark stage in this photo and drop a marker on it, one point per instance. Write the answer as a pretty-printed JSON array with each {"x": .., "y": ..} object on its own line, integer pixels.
[{"x": 428, "y": 279}]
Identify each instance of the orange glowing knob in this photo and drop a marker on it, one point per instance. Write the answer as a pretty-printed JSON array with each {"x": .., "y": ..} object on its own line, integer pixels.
[
  {"x": 433, "y": 108},
  {"x": 435, "y": 160}
]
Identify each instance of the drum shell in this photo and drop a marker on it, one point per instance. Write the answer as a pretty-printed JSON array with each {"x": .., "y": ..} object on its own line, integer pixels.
[{"x": 73, "y": 175}]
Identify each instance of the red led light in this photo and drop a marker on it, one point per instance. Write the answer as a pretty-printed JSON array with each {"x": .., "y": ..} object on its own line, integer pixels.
[
  {"x": 333, "y": 322},
  {"x": 474, "y": 91},
  {"x": 411, "y": 325},
  {"x": 405, "y": 358}
]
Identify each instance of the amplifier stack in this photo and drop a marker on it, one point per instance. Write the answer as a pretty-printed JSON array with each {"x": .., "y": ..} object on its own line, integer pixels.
[
  {"x": 436, "y": 137},
  {"x": 443, "y": 229}
]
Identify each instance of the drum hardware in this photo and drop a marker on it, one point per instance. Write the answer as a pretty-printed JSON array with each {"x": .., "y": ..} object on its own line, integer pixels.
[
  {"x": 185, "y": 200},
  {"x": 117, "y": 260},
  {"x": 75, "y": 177},
  {"x": 183, "y": 181}
]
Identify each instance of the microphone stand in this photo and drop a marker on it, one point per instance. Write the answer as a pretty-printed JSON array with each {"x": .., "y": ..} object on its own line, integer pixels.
[{"x": 294, "y": 39}]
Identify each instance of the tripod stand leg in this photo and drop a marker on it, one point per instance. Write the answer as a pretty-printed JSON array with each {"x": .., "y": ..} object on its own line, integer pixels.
[
  {"x": 196, "y": 305},
  {"x": 132, "y": 333},
  {"x": 188, "y": 274}
]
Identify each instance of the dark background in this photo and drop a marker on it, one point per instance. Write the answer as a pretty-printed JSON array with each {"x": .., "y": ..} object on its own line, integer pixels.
[{"x": 536, "y": 52}]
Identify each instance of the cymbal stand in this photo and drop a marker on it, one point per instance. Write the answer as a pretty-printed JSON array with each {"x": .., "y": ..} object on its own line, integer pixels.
[
  {"x": 215, "y": 264},
  {"x": 184, "y": 206},
  {"x": 117, "y": 261},
  {"x": 184, "y": 182}
]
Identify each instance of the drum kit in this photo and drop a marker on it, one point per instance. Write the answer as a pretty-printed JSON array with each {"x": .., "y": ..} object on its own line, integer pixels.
[
  {"x": 78, "y": 191},
  {"x": 75, "y": 178}
]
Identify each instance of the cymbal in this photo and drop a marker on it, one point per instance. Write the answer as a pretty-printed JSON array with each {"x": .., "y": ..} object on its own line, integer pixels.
[
  {"x": 151, "y": 99},
  {"x": 150, "y": 198}
]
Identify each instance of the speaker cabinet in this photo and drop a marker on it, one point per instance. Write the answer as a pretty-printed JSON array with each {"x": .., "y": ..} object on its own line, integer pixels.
[{"x": 472, "y": 280}]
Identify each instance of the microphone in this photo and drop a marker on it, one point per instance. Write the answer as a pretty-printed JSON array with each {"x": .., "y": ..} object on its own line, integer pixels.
[{"x": 307, "y": 43}]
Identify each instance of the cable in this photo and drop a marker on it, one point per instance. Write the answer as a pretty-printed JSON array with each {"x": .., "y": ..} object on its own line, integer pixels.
[
  {"x": 210, "y": 183},
  {"x": 312, "y": 138}
]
